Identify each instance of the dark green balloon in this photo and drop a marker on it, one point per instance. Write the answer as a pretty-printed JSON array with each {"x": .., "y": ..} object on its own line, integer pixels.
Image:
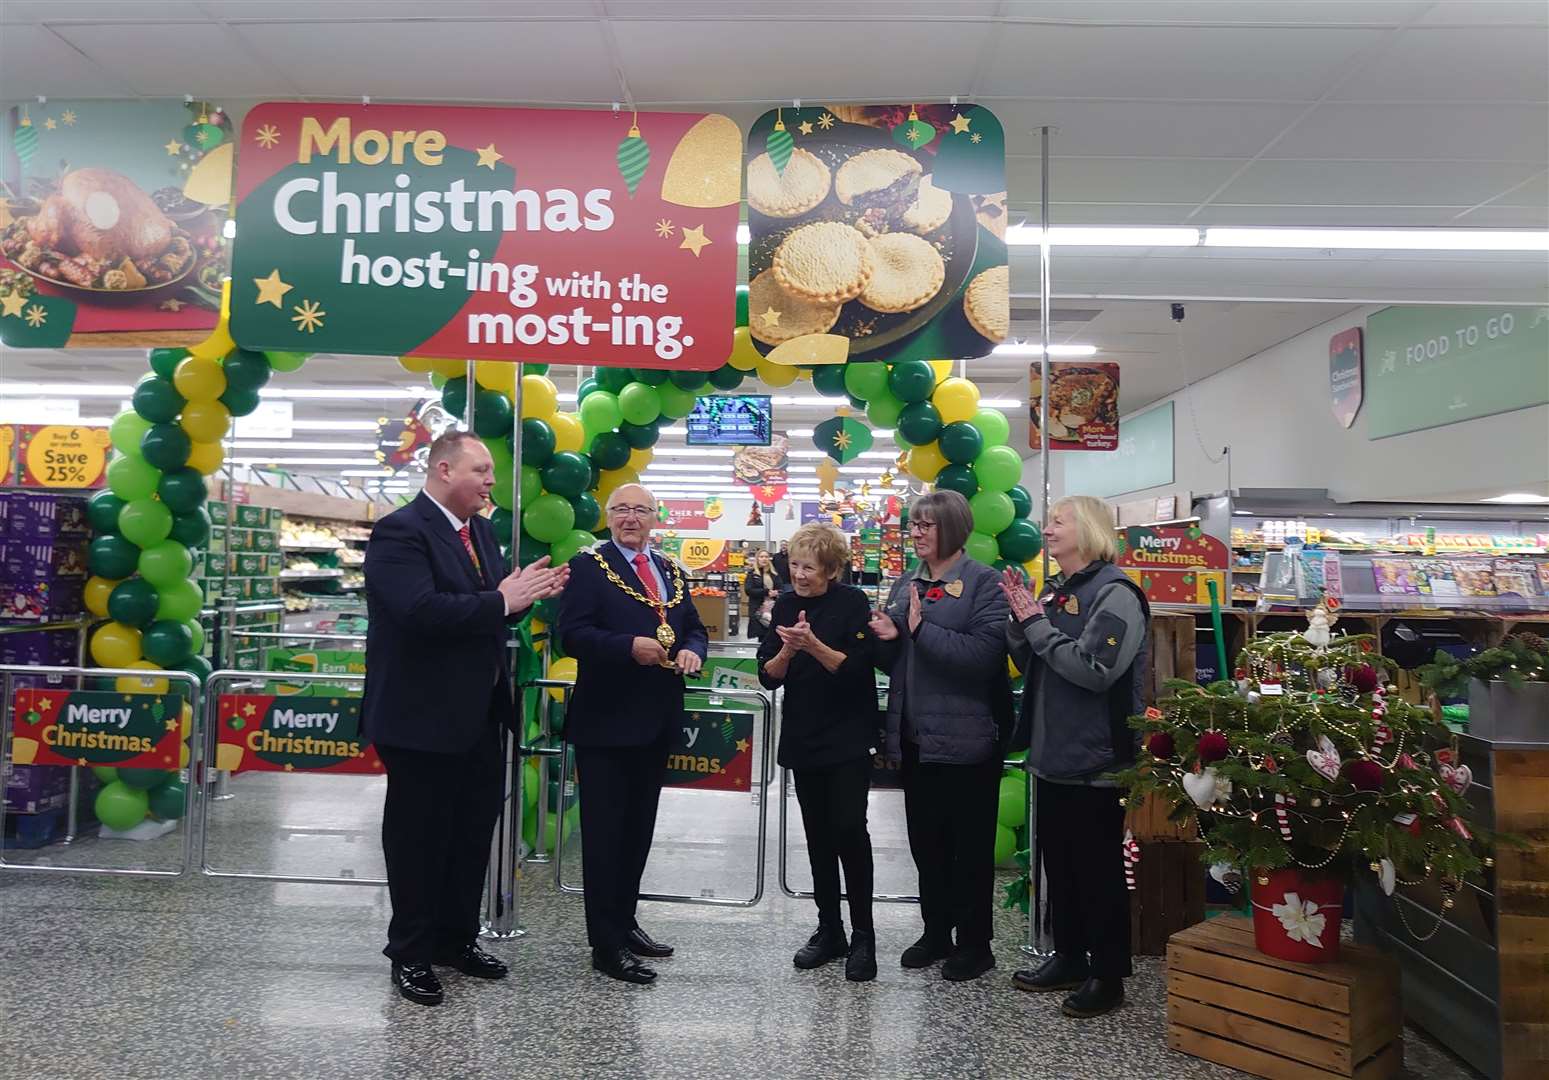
[
  {"x": 961, "y": 442},
  {"x": 239, "y": 401},
  {"x": 102, "y": 511},
  {"x": 492, "y": 417},
  {"x": 535, "y": 369},
  {"x": 567, "y": 473},
  {"x": 111, "y": 556},
  {"x": 454, "y": 396},
  {"x": 919, "y": 422},
  {"x": 182, "y": 490},
  {"x": 613, "y": 379},
  {"x": 247, "y": 370},
  {"x": 828, "y": 380},
  {"x": 500, "y": 522},
  {"x": 650, "y": 376},
  {"x": 1021, "y": 541},
  {"x": 145, "y": 779},
  {"x": 166, "y": 446},
  {"x": 958, "y": 478},
  {"x": 588, "y": 386},
  {"x": 168, "y": 799},
  {"x": 192, "y": 529},
  {"x": 610, "y": 451},
  {"x": 911, "y": 380},
  {"x": 133, "y": 602},
  {"x": 858, "y": 404},
  {"x": 167, "y": 642},
  {"x": 157, "y": 400},
  {"x": 537, "y": 442},
  {"x": 165, "y": 361},
  {"x": 530, "y": 550},
  {"x": 689, "y": 380},
  {"x": 742, "y": 305},
  {"x": 197, "y": 666},
  {"x": 639, "y": 436},
  {"x": 726, "y": 377},
  {"x": 1022, "y": 500},
  {"x": 587, "y": 512}
]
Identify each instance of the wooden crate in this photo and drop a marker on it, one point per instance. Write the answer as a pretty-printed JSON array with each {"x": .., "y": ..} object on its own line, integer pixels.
[
  {"x": 1229, "y": 1003},
  {"x": 1147, "y": 819},
  {"x": 1169, "y": 893}
]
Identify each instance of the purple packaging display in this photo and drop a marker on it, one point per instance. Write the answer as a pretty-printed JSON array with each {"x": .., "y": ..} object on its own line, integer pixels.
[
  {"x": 43, "y": 560},
  {"x": 27, "y": 600},
  {"x": 27, "y": 515},
  {"x": 39, "y": 648},
  {"x": 35, "y": 789}
]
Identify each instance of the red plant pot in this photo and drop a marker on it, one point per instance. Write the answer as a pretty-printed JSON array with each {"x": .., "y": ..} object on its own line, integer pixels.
[{"x": 1296, "y": 915}]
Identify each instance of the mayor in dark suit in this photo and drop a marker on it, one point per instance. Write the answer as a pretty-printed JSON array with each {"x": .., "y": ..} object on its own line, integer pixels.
[
  {"x": 437, "y": 692},
  {"x": 629, "y": 622}
]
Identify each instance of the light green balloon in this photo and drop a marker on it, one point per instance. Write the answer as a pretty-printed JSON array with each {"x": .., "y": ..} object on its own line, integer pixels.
[
  {"x": 639, "y": 403},
  {"x": 600, "y": 412},
  {"x": 532, "y": 483},
  {"x": 550, "y": 517},
  {"x": 197, "y": 630},
  {"x": 883, "y": 408},
  {"x": 564, "y": 549},
  {"x": 126, "y": 431},
  {"x": 982, "y": 548},
  {"x": 131, "y": 477},
  {"x": 993, "y": 512},
  {"x": 998, "y": 468},
  {"x": 993, "y": 425},
  {"x": 166, "y": 565},
  {"x": 145, "y": 522},
  {"x": 287, "y": 361},
  {"x": 179, "y": 602},
  {"x": 676, "y": 401},
  {"x": 866, "y": 379}
]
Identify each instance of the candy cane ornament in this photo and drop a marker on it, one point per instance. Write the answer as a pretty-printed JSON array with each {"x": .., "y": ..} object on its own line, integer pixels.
[
  {"x": 1131, "y": 858},
  {"x": 1282, "y": 817}
]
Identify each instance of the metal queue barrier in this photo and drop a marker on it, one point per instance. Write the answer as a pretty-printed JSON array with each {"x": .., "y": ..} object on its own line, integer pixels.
[
  {"x": 65, "y": 680},
  {"x": 759, "y": 794}
]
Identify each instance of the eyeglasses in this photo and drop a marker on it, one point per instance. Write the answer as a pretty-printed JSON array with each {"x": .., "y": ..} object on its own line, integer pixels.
[
  {"x": 637, "y": 511},
  {"x": 921, "y": 526}
]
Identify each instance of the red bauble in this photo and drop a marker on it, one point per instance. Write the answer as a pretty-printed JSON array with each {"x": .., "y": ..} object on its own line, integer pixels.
[
  {"x": 1212, "y": 746},
  {"x": 1161, "y": 745},
  {"x": 1363, "y": 678},
  {"x": 1364, "y": 775}
]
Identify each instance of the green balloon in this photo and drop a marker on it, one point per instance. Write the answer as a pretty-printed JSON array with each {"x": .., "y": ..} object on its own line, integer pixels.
[
  {"x": 499, "y": 454},
  {"x": 454, "y": 396},
  {"x": 179, "y": 602},
  {"x": 532, "y": 483},
  {"x": 121, "y": 807},
  {"x": 689, "y": 380},
  {"x": 855, "y": 402},
  {"x": 993, "y": 513},
  {"x": 502, "y": 492},
  {"x": 883, "y": 410},
  {"x": 535, "y": 369},
  {"x": 191, "y": 529},
  {"x": 198, "y": 667},
  {"x": 165, "y": 564},
  {"x": 961, "y": 442},
  {"x": 1020, "y": 541},
  {"x": 112, "y": 557},
  {"x": 566, "y": 548},
  {"x": 131, "y": 477},
  {"x": 865, "y": 378},
  {"x": 500, "y": 522},
  {"x": 437, "y": 380},
  {"x": 742, "y": 305},
  {"x": 126, "y": 431},
  {"x": 981, "y": 548},
  {"x": 614, "y": 379},
  {"x": 157, "y": 400},
  {"x": 167, "y": 642},
  {"x": 133, "y": 602},
  {"x": 958, "y": 478},
  {"x": 537, "y": 441},
  {"x": 182, "y": 490},
  {"x": 106, "y": 773},
  {"x": 676, "y": 401},
  {"x": 998, "y": 468},
  {"x": 1022, "y": 499},
  {"x": 919, "y": 423},
  {"x": 102, "y": 511},
  {"x": 530, "y": 550},
  {"x": 166, "y": 446},
  {"x": 1012, "y": 809},
  {"x": 549, "y": 518},
  {"x": 600, "y": 412},
  {"x": 650, "y": 376},
  {"x": 1005, "y": 844},
  {"x": 587, "y": 512},
  {"x": 639, "y": 403},
  {"x": 588, "y": 386},
  {"x": 827, "y": 379},
  {"x": 239, "y": 401},
  {"x": 610, "y": 450},
  {"x": 993, "y": 425},
  {"x": 197, "y": 631},
  {"x": 492, "y": 418},
  {"x": 246, "y": 369},
  {"x": 639, "y": 436},
  {"x": 144, "y": 779},
  {"x": 727, "y": 377},
  {"x": 168, "y": 800},
  {"x": 567, "y": 474},
  {"x": 146, "y": 522},
  {"x": 287, "y": 361},
  {"x": 165, "y": 361},
  {"x": 911, "y": 380}
]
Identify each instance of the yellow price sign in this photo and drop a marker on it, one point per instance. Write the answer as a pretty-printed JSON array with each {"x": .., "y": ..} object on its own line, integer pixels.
[
  {"x": 699, "y": 553},
  {"x": 7, "y": 452},
  {"x": 64, "y": 456}
]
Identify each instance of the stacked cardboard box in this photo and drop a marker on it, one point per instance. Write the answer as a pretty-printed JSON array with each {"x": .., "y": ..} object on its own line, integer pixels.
[{"x": 243, "y": 563}]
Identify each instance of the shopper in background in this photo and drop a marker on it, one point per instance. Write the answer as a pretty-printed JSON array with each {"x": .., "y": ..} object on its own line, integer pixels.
[
  {"x": 761, "y": 584},
  {"x": 630, "y": 624},
  {"x": 782, "y": 560},
  {"x": 1082, "y": 643},
  {"x": 941, "y": 637},
  {"x": 820, "y": 651},
  {"x": 437, "y": 690}
]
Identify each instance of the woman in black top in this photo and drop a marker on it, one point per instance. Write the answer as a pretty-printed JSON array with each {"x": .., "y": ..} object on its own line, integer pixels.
[
  {"x": 761, "y": 583},
  {"x": 820, "y": 651}
]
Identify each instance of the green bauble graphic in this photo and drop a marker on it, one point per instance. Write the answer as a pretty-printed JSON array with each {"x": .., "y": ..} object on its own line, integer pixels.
[
  {"x": 779, "y": 144},
  {"x": 634, "y": 157}
]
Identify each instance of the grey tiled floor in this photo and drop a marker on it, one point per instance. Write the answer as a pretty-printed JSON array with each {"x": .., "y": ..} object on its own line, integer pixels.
[{"x": 133, "y": 978}]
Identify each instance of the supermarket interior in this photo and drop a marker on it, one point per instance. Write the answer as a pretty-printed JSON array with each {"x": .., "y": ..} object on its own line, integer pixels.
[{"x": 1269, "y": 280}]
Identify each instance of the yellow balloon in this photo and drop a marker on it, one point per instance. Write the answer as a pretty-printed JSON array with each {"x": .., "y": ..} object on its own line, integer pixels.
[
  {"x": 217, "y": 345},
  {"x": 803, "y": 375},
  {"x": 448, "y": 367},
  {"x": 97, "y": 592},
  {"x": 416, "y": 365},
  {"x": 539, "y": 626},
  {"x": 776, "y": 375},
  {"x": 926, "y": 461},
  {"x": 115, "y": 645},
  {"x": 183, "y": 756},
  {"x": 641, "y": 457},
  {"x": 206, "y": 457},
  {"x": 1012, "y": 669},
  {"x": 142, "y": 684},
  {"x": 744, "y": 355},
  {"x": 494, "y": 375},
  {"x": 205, "y": 421},
  {"x": 560, "y": 668},
  {"x": 199, "y": 379},
  {"x": 956, "y": 399},
  {"x": 540, "y": 397},
  {"x": 568, "y": 432},
  {"x": 188, "y": 720},
  {"x": 612, "y": 479},
  {"x": 942, "y": 368}
]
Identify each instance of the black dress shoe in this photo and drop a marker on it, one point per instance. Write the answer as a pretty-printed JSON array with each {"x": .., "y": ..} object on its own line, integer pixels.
[
  {"x": 1095, "y": 997},
  {"x": 1058, "y": 972},
  {"x": 417, "y": 983},
  {"x": 474, "y": 961},
  {"x": 861, "y": 964},
  {"x": 827, "y": 944},
  {"x": 968, "y": 962},
  {"x": 641, "y": 944},
  {"x": 621, "y": 964},
  {"x": 925, "y": 952}
]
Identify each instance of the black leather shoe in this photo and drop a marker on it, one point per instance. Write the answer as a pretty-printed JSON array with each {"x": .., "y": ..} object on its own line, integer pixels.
[
  {"x": 968, "y": 963},
  {"x": 827, "y": 944},
  {"x": 622, "y": 965},
  {"x": 417, "y": 983},
  {"x": 1096, "y": 996},
  {"x": 861, "y": 964},
  {"x": 641, "y": 944},
  {"x": 474, "y": 961},
  {"x": 1058, "y": 972},
  {"x": 925, "y": 952}
]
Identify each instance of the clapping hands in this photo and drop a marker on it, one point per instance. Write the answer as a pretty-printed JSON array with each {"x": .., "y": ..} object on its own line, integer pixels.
[
  {"x": 1019, "y": 594},
  {"x": 797, "y": 638},
  {"x": 536, "y": 581}
]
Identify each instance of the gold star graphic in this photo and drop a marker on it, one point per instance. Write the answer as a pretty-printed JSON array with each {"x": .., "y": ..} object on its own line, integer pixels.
[
  {"x": 249, "y": 709},
  {"x": 289, "y": 767},
  {"x": 36, "y": 316},
  {"x": 201, "y": 137},
  {"x": 172, "y": 725},
  {"x": 976, "y": 138},
  {"x": 173, "y": 305},
  {"x": 805, "y": 127},
  {"x": 80, "y": 761},
  {"x": 488, "y": 155},
  {"x": 825, "y": 121},
  {"x": 12, "y": 303},
  {"x": 50, "y": 124},
  {"x": 694, "y": 239},
  {"x": 738, "y": 781},
  {"x": 45, "y": 704},
  {"x": 173, "y": 148},
  {"x": 828, "y": 475},
  {"x": 68, "y": 116},
  {"x": 742, "y": 745},
  {"x": 960, "y": 123},
  {"x": 309, "y": 315},
  {"x": 842, "y": 440},
  {"x": 665, "y": 228},
  {"x": 271, "y": 290},
  {"x": 914, "y": 135},
  {"x": 770, "y": 317},
  {"x": 267, "y": 136}
]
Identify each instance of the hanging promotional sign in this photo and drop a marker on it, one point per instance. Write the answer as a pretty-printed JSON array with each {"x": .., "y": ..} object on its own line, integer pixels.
[
  {"x": 1174, "y": 564},
  {"x": 1344, "y": 375},
  {"x": 541, "y": 235},
  {"x": 877, "y": 232},
  {"x": 686, "y": 513},
  {"x": 56, "y": 726},
  {"x": 62, "y": 456},
  {"x": 265, "y": 733},
  {"x": 1083, "y": 406},
  {"x": 764, "y": 469}
]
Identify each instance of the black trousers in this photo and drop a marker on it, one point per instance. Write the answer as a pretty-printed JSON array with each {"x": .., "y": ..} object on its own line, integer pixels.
[
  {"x": 833, "y": 813},
  {"x": 436, "y": 830},
  {"x": 950, "y": 811},
  {"x": 1080, "y": 836},
  {"x": 620, "y": 788}
]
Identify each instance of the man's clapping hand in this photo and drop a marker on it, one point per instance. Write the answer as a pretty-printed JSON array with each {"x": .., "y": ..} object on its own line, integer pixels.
[{"x": 536, "y": 581}]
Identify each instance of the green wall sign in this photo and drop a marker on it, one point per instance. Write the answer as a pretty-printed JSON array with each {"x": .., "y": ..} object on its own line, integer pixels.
[{"x": 1144, "y": 458}]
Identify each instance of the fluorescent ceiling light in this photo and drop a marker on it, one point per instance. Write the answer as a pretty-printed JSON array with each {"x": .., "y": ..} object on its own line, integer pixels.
[
  {"x": 334, "y": 425},
  {"x": 694, "y": 451},
  {"x": 1103, "y": 236},
  {"x": 290, "y": 444},
  {"x": 1381, "y": 239},
  {"x": 1520, "y": 497},
  {"x": 1027, "y": 348},
  {"x": 301, "y": 461},
  {"x": 76, "y": 390},
  {"x": 351, "y": 392},
  {"x": 672, "y": 431},
  {"x": 744, "y": 234},
  {"x": 662, "y": 466},
  {"x": 366, "y": 472}
]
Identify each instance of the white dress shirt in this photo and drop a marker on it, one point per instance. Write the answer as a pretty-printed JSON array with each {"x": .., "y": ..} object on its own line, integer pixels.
[{"x": 458, "y": 525}]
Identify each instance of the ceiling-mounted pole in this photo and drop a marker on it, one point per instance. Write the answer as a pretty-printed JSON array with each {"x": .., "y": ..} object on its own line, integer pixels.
[{"x": 1043, "y": 332}]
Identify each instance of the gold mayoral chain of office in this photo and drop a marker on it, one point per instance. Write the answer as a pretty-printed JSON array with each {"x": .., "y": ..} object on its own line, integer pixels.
[{"x": 664, "y": 633}]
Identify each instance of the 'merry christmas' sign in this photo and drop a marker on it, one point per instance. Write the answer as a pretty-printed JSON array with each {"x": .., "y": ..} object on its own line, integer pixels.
[
  {"x": 712, "y": 750},
  {"x": 1173, "y": 564},
  {"x": 85, "y": 727},
  {"x": 262, "y": 732}
]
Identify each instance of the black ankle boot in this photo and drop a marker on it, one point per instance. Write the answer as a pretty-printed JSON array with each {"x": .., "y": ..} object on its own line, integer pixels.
[
  {"x": 1058, "y": 972},
  {"x": 1095, "y": 997},
  {"x": 825, "y": 945},
  {"x": 861, "y": 964}
]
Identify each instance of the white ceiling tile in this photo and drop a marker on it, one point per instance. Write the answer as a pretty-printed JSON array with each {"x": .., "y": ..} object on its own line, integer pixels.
[
  {"x": 1072, "y": 211},
  {"x": 33, "y": 61},
  {"x": 121, "y": 11},
  {"x": 1219, "y": 213},
  {"x": 1534, "y": 193},
  {"x": 1488, "y": 12},
  {"x": 800, "y": 11},
  {"x": 1106, "y": 180},
  {"x": 390, "y": 10},
  {"x": 1368, "y": 183},
  {"x": 1460, "y": 132},
  {"x": 1146, "y": 128},
  {"x": 182, "y": 58},
  {"x": 1214, "y": 12},
  {"x": 1505, "y": 217},
  {"x": 1493, "y": 64}
]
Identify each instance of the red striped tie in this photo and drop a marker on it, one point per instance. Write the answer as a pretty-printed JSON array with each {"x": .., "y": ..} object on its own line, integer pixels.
[
  {"x": 648, "y": 579},
  {"x": 467, "y": 538}
]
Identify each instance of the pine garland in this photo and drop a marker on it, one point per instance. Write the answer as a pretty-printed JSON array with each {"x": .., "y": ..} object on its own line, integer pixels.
[{"x": 1519, "y": 659}]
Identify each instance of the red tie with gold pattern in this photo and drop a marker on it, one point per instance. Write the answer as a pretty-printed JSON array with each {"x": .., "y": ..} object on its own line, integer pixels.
[{"x": 466, "y": 535}]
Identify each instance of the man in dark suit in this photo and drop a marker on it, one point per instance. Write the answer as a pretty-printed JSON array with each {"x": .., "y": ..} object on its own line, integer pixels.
[
  {"x": 629, "y": 622},
  {"x": 437, "y": 691}
]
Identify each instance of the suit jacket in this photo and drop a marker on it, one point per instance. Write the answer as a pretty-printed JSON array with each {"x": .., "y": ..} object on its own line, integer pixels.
[
  {"x": 616, "y": 701},
  {"x": 436, "y": 667}
]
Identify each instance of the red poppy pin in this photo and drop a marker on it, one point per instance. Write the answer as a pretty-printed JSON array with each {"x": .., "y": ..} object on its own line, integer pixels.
[{"x": 934, "y": 593}]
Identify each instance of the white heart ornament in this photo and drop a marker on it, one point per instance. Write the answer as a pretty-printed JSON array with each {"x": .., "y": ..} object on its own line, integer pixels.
[
  {"x": 1201, "y": 787},
  {"x": 1388, "y": 876},
  {"x": 1457, "y": 777},
  {"x": 1325, "y": 759}
]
